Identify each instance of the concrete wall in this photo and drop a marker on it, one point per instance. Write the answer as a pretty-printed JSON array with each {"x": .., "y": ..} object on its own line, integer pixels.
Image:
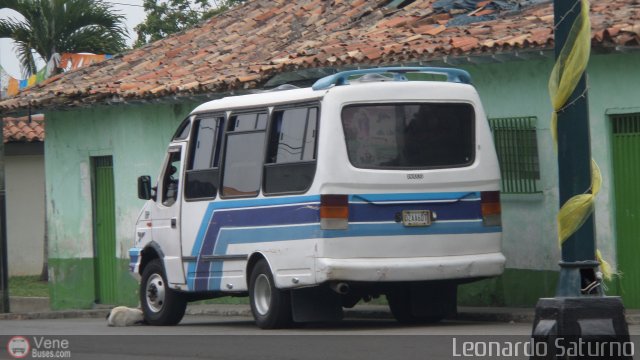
[
  {"x": 137, "y": 137},
  {"x": 24, "y": 176}
]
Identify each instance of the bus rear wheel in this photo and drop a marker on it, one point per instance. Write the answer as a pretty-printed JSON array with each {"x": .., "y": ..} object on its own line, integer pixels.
[{"x": 270, "y": 306}]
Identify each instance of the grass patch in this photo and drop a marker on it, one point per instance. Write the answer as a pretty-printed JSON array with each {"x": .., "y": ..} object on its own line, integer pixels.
[
  {"x": 28, "y": 286},
  {"x": 227, "y": 300},
  {"x": 381, "y": 300}
]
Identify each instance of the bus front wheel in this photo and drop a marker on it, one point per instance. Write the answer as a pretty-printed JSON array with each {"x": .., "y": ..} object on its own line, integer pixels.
[{"x": 161, "y": 305}]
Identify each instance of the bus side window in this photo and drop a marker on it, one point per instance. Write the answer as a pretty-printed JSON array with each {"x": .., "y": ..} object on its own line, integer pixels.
[
  {"x": 244, "y": 154},
  {"x": 291, "y": 159},
  {"x": 203, "y": 172},
  {"x": 170, "y": 180}
]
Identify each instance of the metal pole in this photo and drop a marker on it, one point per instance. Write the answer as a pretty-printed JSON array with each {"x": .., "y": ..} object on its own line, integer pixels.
[
  {"x": 569, "y": 317},
  {"x": 4, "y": 269},
  {"x": 574, "y": 166}
]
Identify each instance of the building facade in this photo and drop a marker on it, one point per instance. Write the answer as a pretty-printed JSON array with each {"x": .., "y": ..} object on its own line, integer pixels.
[
  {"x": 25, "y": 197},
  {"x": 111, "y": 122}
]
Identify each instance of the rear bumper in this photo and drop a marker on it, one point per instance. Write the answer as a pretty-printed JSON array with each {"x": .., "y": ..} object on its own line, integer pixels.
[{"x": 410, "y": 269}]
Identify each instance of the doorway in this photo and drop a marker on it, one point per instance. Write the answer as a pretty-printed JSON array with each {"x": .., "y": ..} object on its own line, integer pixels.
[
  {"x": 626, "y": 172},
  {"x": 104, "y": 221}
]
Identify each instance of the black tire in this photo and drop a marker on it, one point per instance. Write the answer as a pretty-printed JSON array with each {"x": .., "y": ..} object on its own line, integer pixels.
[
  {"x": 271, "y": 307},
  {"x": 161, "y": 305},
  {"x": 400, "y": 305}
]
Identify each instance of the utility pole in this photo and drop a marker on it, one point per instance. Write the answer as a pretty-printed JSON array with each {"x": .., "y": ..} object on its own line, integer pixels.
[
  {"x": 580, "y": 313},
  {"x": 4, "y": 269},
  {"x": 578, "y": 265},
  {"x": 4, "y": 277}
]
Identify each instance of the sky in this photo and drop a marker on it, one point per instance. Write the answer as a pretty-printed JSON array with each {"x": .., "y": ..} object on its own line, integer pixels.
[{"x": 132, "y": 9}]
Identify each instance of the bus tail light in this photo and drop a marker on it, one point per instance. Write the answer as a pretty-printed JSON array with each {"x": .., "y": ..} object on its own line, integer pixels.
[
  {"x": 334, "y": 212},
  {"x": 491, "y": 211}
]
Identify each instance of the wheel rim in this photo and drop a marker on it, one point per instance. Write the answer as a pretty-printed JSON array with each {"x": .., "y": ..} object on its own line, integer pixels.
[
  {"x": 155, "y": 292},
  {"x": 262, "y": 294}
]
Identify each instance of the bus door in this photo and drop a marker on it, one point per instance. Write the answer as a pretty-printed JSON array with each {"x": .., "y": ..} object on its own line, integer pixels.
[{"x": 165, "y": 215}]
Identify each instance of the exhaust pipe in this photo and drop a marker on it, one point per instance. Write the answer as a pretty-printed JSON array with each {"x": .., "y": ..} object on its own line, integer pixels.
[{"x": 341, "y": 288}]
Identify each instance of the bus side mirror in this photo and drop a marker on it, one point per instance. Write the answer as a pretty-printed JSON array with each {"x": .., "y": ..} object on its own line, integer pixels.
[{"x": 144, "y": 187}]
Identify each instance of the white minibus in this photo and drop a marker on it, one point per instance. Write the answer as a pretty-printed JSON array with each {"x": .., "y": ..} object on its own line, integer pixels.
[{"x": 372, "y": 182}]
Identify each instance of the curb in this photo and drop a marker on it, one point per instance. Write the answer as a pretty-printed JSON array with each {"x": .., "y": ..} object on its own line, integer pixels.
[
  {"x": 49, "y": 315},
  {"x": 219, "y": 310},
  {"x": 516, "y": 315},
  {"x": 24, "y": 304},
  {"x": 496, "y": 315}
]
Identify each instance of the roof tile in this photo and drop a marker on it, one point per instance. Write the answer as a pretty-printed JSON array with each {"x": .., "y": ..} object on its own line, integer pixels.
[
  {"x": 253, "y": 41},
  {"x": 23, "y": 129},
  {"x": 464, "y": 43},
  {"x": 484, "y": 12},
  {"x": 436, "y": 30},
  {"x": 480, "y": 30}
]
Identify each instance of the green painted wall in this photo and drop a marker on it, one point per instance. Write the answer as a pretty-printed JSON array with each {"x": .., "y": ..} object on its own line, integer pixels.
[
  {"x": 519, "y": 88},
  {"x": 514, "y": 288},
  {"x": 136, "y": 136}
]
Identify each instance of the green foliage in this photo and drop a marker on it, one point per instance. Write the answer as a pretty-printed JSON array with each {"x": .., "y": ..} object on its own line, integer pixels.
[
  {"x": 57, "y": 26},
  {"x": 165, "y": 17},
  {"x": 28, "y": 286}
]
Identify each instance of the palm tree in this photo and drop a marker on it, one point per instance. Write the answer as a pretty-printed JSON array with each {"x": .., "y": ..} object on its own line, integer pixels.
[{"x": 57, "y": 26}]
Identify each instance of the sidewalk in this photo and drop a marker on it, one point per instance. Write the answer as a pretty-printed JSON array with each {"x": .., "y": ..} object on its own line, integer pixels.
[{"x": 361, "y": 311}]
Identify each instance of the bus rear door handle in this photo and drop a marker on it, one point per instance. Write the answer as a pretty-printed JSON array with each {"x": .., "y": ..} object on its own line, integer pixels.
[{"x": 174, "y": 221}]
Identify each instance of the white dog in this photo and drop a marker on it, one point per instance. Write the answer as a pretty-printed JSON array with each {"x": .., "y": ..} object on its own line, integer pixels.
[{"x": 125, "y": 316}]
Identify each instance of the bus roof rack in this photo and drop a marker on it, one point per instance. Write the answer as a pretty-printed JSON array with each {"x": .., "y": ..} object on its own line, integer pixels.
[{"x": 342, "y": 78}]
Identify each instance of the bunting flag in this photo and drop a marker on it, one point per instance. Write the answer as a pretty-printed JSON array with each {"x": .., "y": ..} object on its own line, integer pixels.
[
  {"x": 10, "y": 86},
  {"x": 74, "y": 61}
]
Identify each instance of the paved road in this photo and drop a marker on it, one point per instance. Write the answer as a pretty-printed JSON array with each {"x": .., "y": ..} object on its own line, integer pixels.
[
  {"x": 210, "y": 337},
  {"x": 239, "y": 325}
]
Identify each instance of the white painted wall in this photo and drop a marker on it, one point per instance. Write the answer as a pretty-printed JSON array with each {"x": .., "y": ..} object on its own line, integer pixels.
[{"x": 24, "y": 177}]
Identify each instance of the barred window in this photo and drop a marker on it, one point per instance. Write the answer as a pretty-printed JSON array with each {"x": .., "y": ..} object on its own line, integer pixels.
[{"x": 517, "y": 148}]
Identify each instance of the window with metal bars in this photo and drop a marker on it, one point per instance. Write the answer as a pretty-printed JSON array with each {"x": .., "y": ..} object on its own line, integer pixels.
[
  {"x": 517, "y": 148},
  {"x": 626, "y": 124}
]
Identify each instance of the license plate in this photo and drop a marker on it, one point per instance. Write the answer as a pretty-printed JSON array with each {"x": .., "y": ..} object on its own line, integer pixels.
[{"x": 416, "y": 217}]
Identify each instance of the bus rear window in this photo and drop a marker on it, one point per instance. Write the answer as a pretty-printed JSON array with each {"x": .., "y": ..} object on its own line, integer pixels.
[{"x": 409, "y": 136}]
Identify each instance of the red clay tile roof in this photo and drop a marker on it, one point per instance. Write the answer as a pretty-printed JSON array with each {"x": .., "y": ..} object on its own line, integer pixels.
[
  {"x": 23, "y": 130},
  {"x": 244, "y": 47}
]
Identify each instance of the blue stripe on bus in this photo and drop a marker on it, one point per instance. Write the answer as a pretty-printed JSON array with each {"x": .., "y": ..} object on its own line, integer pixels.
[
  {"x": 218, "y": 214},
  {"x": 233, "y": 236},
  {"x": 418, "y": 196},
  {"x": 229, "y": 236},
  {"x": 461, "y": 210},
  {"x": 262, "y": 213}
]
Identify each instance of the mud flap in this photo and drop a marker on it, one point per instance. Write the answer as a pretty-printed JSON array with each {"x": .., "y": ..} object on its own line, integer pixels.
[
  {"x": 315, "y": 304},
  {"x": 433, "y": 299}
]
